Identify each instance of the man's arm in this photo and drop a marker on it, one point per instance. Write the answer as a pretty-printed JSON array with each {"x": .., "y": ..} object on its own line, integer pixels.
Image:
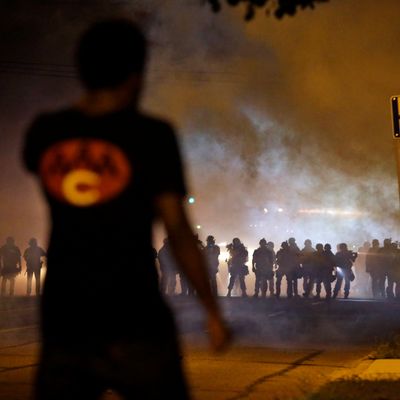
[{"x": 190, "y": 260}]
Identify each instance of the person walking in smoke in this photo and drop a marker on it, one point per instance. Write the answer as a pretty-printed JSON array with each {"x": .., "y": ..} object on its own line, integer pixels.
[
  {"x": 237, "y": 265},
  {"x": 211, "y": 252},
  {"x": 33, "y": 257},
  {"x": 10, "y": 264},
  {"x": 106, "y": 183},
  {"x": 306, "y": 263},
  {"x": 168, "y": 269},
  {"x": 262, "y": 265},
  {"x": 344, "y": 260},
  {"x": 375, "y": 268}
]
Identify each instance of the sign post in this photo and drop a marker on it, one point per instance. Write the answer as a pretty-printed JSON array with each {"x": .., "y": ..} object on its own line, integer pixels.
[{"x": 395, "y": 107}]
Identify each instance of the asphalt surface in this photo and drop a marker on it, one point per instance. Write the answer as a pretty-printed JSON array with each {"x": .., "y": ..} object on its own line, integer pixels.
[{"x": 282, "y": 349}]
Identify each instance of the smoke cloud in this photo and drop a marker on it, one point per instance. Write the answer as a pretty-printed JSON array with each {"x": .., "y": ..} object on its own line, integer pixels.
[{"x": 285, "y": 125}]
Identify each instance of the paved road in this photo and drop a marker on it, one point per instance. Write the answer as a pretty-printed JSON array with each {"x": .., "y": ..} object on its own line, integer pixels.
[{"x": 283, "y": 349}]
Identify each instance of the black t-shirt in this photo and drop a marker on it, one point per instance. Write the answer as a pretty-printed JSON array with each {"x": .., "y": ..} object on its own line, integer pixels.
[{"x": 100, "y": 176}]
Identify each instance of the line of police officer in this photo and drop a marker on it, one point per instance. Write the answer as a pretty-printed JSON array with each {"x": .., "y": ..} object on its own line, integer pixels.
[{"x": 318, "y": 267}]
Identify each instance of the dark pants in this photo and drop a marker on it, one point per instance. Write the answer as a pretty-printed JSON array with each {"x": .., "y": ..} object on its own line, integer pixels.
[
  {"x": 144, "y": 370},
  {"x": 291, "y": 278},
  {"x": 345, "y": 274},
  {"x": 326, "y": 282},
  {"x": 262, "y": 281},
  {"x": 390, "y": 285},
  {"x": 378, "y": 284},
  {"x": 10, "y": 278},
  {"x": 30, "y": 274},
  {"x": 237, "y": 275},
  {"x": 312, "y": 279},
  {"x": 307, "y": 281}
]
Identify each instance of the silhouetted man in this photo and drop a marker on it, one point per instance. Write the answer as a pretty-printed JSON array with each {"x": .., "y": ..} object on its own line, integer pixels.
[
  {"x": 375, "y": 267},
  {"x": 10, "y": 261},
  {"x": 33, "y": 257},
  {"x": 344, "y": 260},
  {"x": 211, "y": 252},
  {"x": 284, "y": 263},
  {"x": 271, "y": 284},
  {"x": 107, "y": 171},
  {"x": 329, "y": 267},
  {"x": 306, "y": 263},
  {"x": 319, "y": 271},
  {"x": 295, "y": 271},
  {"x": 237, "y": 265},
  {"x": 361, "y": 280},
  {"x": 262, "y": 265}
]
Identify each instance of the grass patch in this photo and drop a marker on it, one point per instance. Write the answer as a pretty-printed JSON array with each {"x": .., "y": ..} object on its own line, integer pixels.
[
  {"x": 387, "y": 350},
  {"x": 358, "y": 389}
]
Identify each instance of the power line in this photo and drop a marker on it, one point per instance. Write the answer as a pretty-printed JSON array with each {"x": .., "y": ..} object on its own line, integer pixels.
[{"x": 53, "y": 70}]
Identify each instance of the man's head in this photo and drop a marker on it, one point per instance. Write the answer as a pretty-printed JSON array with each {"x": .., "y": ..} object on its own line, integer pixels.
[
  {"x": 319, "y": 247},
  {"x": 110, "y": 53},
  {"x": 342, "y": 246},
  {"x": 262, "y": 242},
  {"x": 327, "y": 247},
  {"x": 387, "y": 242},
  {"x": 292, "y": 241},
  {"x": 236, "y": 241},
  {"x": 375, "y": 243},
  {"x": 33, "y": 242},
  {"x": 210, "y": 240},
  {"x": 307, "y": 242}
]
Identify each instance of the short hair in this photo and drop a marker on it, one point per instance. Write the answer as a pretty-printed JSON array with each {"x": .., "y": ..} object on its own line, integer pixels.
[{"x": 109, "y": 52}]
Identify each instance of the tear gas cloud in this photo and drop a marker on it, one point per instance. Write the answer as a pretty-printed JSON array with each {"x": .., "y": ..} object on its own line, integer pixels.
[
  {"x": 296, "y": 122},
  {"x": 284, "y": 125}
]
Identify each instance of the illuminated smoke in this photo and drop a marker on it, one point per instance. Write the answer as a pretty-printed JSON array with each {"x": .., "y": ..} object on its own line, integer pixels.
[{"x": 290, "y": 114}]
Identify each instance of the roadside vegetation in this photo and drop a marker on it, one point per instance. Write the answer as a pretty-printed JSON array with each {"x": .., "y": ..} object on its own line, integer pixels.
[
  {"x": 353, "y": 387},
  {"x": 387, "y": 350}
]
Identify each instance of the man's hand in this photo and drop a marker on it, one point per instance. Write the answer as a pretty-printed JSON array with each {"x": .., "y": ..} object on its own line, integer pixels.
[
  {"x": 219, "y": 334},
  {"x": 192, "y": 263}
]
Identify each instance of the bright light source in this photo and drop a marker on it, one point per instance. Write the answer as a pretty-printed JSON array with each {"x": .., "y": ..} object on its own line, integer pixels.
[
  {"x": 191, "y": 200},
  {"x": 198, "y": 226},
  {"x": 280, "y": 209},
  {"x": 265, "y": 210}
]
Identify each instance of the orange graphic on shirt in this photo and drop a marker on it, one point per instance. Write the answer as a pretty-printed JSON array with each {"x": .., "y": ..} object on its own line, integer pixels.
[{"x": 84, "y": 172}]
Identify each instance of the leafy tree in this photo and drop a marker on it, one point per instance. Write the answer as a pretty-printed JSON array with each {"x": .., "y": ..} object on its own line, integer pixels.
[{"x": 280, "y": 8}]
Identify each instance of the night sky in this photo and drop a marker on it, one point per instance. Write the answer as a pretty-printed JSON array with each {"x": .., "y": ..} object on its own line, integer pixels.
[{"x": 288, "y": 114}]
